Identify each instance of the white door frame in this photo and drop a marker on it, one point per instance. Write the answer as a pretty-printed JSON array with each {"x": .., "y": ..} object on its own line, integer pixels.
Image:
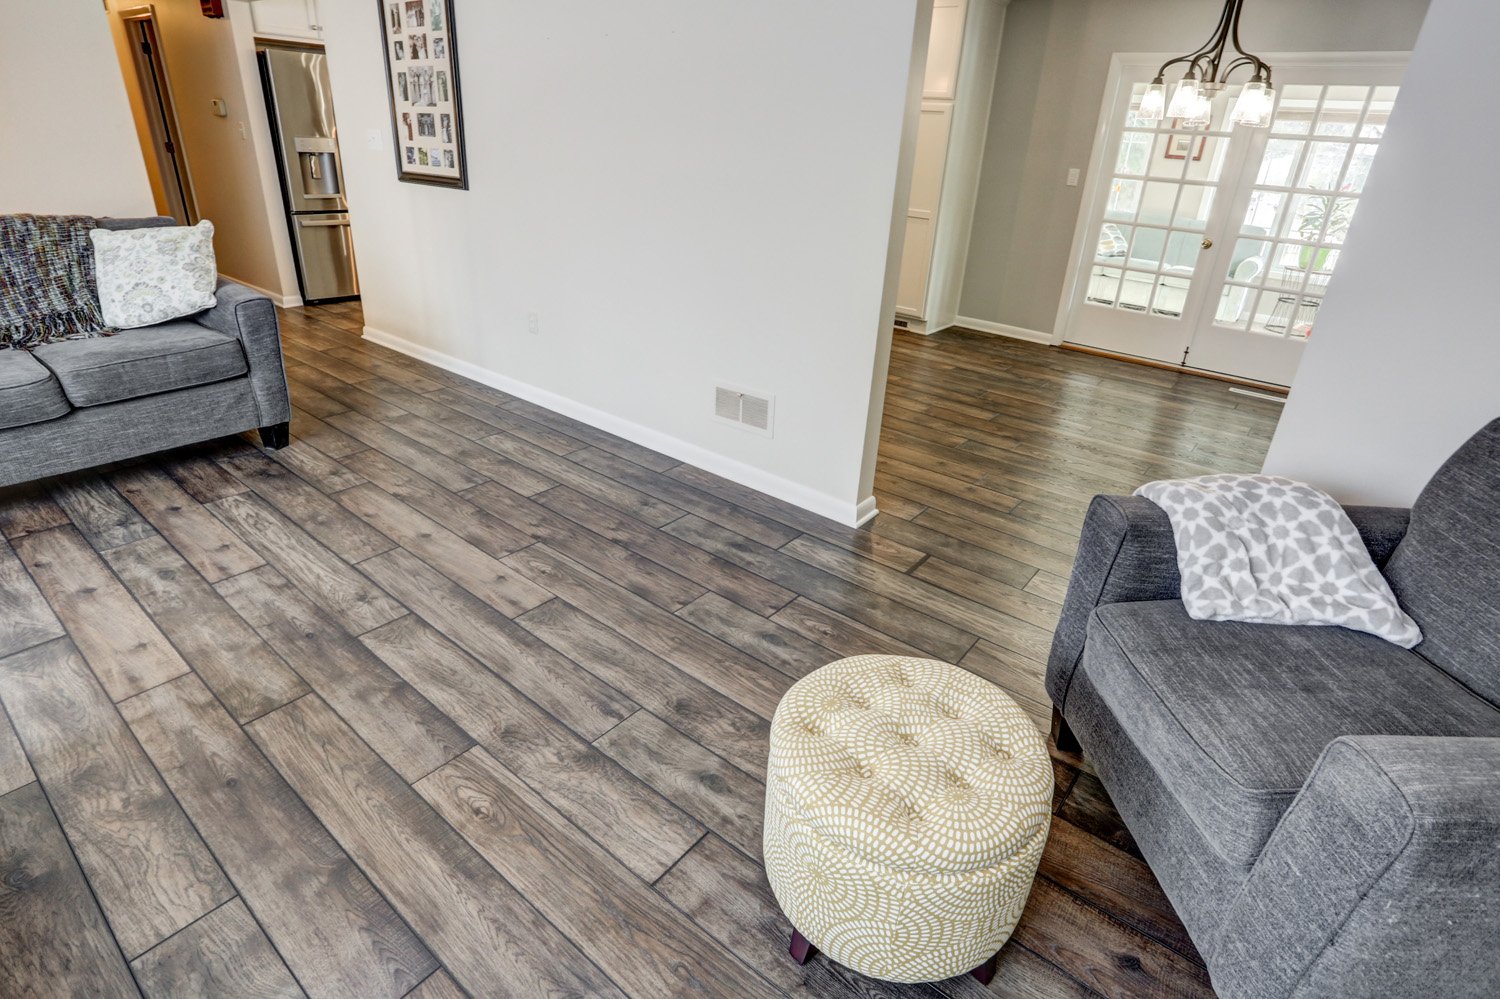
[{"x": 1124, "y": 68}]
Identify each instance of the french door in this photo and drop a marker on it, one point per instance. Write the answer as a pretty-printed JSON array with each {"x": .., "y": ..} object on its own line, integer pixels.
[{"x": 1211, "y": 248}]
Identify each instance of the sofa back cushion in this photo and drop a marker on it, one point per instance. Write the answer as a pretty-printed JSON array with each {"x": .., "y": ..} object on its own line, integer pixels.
[
  {"x": 141, "y": 222},
  {"x": 1446, "y": 571}
]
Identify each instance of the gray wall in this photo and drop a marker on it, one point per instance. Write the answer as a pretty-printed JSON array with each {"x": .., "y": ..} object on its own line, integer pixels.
[{"x": 1054, "y": 62}]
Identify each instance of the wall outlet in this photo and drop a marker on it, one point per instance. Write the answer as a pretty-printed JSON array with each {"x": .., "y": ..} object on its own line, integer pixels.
[
  {"x": 534, "y": 323},
  {"x": 1073, "y": 175}
]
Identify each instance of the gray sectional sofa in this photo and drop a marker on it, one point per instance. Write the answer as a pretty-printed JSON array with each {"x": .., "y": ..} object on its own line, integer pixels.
[
  {"x": 79, "y": 403},
  {"x": 1322, "y": 807}
]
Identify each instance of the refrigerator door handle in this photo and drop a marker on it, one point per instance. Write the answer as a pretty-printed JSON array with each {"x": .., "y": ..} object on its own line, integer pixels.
[{"x": 323, "y": 223}]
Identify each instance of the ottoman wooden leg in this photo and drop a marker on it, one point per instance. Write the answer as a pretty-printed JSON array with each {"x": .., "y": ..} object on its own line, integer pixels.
[
  {"x": 986, "y": 971},
  {"x": 802, "y": 949}
]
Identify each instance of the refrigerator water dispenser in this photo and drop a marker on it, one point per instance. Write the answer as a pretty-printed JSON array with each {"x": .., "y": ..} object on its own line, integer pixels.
[{"x": 318, "y": 158}]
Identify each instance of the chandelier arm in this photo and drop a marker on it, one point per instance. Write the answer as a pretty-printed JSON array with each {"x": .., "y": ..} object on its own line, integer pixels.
[
  {"x": 1216, "y": 40},
  {"x": 1261, "y": 68},
  {"x": 1228, "y": 21}
]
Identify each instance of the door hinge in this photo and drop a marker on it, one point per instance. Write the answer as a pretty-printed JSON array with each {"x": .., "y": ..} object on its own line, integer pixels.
[
  {"x": 146, "y": 47},
  {"x": 167, "y": 144}
]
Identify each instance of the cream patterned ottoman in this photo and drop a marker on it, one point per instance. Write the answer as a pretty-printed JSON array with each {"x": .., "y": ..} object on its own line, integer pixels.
[{"x": 907, "y": 805}]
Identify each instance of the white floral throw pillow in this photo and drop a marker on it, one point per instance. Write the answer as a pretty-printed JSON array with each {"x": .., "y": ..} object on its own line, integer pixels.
[
  {"x": 1270, "y": 550},
  {"x": 147, "y": 276}
]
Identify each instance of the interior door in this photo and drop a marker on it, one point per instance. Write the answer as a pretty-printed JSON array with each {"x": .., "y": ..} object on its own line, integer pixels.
[
  {"x": 1153, "y": 234},
  {"x": 1212, "y": 248},
  {"x": 1292, "y": 204}
]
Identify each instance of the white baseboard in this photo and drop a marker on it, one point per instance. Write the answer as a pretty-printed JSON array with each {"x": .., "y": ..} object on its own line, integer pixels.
[
  {"x": 285, "y": 301},
  {"x": 1002, "y": 329},
  {"x": 852, "y": 514}
]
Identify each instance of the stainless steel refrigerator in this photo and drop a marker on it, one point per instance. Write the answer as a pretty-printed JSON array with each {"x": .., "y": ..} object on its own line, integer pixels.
[{"x": 300, "y": 105}]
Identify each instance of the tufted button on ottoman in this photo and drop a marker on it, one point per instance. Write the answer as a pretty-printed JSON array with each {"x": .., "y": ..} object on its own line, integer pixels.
[{"x": 907, "y": 805}]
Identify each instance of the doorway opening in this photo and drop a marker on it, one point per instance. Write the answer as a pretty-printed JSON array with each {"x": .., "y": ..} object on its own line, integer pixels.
[
  {"x": 161, "y": 116},
  {"x": 1211, "y": 249}
]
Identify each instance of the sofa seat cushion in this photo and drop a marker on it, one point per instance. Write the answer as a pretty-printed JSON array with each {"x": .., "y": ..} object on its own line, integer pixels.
[
  {"x": 142, "y": 362},
  {"x": 1232, "y": 716},
  {"x": 28, "y": 392}
]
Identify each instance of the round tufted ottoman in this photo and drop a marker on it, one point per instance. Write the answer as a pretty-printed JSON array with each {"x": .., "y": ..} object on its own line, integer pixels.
[{"x": 907, "y": 805}]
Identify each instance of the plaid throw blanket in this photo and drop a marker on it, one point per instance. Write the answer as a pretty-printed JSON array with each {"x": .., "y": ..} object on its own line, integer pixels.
[{"x": 48, "y": 289}]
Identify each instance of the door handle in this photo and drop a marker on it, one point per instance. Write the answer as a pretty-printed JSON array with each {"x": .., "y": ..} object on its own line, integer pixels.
[
  {"x": 1206, "y": 243},
  {"x": 321, "y": 223}
]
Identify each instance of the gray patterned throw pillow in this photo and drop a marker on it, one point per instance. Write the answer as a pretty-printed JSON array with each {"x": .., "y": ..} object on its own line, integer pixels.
[
  {"x": 1270, "y": 550},
  {"x": 148, "y": 276}
]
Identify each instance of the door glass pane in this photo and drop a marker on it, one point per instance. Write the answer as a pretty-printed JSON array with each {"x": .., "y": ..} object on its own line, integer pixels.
[
  {"x": 1323, "y": 263},
  {"x": 1193, "y": 206},
  {"x": 1124, "y": 197},
  {"x": 1171, "y": 153},
  {"x": 1135, "y": 290},
  {"x": 1182, "y": 252},
  {"x": 1341, "y": 110},
  {"x": 1171, "y": 295},
  {"x": 1158, "y": 201},
  {"x": 1135, "y": 151},
  {"x": 1339, "y": 217},
  {"x": 1207, "y": 162},
  {"x": 1262, "y": 212},
  {"x": 1148, "y": 246},
  {"x": 1296, "y": 106},
  {"x": 1306, "y": 216},
  {"x": 1104, "y": 286},
  {"x": 1325, "y": 162},
  {"x": 1359, "y": 167},
  {"x": 1287, "y": 266},
  {"x": 1114, "y": 242},
  {"x": 1248, "y": 262},
  {"x": 1279, "y": 163}
]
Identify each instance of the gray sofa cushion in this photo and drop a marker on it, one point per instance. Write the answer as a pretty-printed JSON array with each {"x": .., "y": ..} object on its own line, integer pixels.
[
  {"x": 28, "y": 392},
  {"x": 1446, "y": 571},
  {"x": 1232, "y": 716},
  {"x": 141, "y": 362}
]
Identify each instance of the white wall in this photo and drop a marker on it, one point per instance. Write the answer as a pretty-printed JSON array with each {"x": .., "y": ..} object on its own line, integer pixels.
[
  {"x": 685, "y": 193},
  {"x": 68, "y": 145},
  {"x": 1054, "y": 62},
  {"x": 1405, "y": 363}
]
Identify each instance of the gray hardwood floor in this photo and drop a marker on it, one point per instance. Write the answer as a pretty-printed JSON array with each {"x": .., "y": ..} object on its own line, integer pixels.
[{"x": 458, "y": 695}]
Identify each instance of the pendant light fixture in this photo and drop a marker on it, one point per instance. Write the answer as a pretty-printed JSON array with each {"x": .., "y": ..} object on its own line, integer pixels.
[{"x": 1207, "y": 74}]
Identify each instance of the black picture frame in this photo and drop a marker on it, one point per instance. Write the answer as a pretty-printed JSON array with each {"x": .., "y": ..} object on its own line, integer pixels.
[{"x": 424, "y": 92}]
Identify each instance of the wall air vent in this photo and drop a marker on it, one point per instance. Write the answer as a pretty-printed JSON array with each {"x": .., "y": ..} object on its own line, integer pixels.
[{"x": 744, "y": 408}]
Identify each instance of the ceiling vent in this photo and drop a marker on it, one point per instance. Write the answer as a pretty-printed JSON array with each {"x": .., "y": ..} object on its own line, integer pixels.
[{"x": 744, "y": 408}]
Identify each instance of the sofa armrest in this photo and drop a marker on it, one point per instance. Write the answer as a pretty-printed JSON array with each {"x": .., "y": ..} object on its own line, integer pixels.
[
  {"x": 1125, "y": 553},
  {"x": 1383, "y": 878},
  {"x": 1381, "y": 528},
  {"x": 250, "y": 317}
]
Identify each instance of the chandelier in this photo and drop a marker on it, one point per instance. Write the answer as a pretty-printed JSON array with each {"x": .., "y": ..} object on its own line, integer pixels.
[{"x": 1207, "y": 74}]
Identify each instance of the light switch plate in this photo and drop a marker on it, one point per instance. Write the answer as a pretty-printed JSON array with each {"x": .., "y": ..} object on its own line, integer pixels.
[{"x": 1073, "y": 175}]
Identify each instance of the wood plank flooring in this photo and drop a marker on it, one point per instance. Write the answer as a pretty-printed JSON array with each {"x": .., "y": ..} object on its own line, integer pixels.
[{"x": 459, "y": 696}]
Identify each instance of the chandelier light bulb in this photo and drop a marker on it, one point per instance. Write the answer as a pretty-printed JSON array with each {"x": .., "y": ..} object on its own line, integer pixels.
[
  {"x": 1202, "y": 111},
  {"x": 1153, "y": 102},
  {"x": 1184, "y": 98},
  {"x": 1255, "y": 105}
]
